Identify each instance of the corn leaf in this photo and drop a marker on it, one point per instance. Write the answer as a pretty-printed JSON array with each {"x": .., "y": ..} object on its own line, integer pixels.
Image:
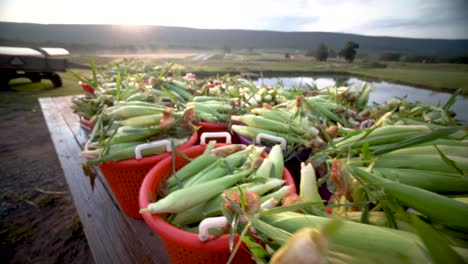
[
  {"x": 169, "y": 95},
  {"x": 93, "y": 70},
  {"x": 327, "y": 137},
  {"x": 365, "y": 151},
  {"x": 258, "y": 252},
  {"x": 448, "y": 161},
  {"x": 439, "y": 133},
  {"x": 119, "y": 80},
  {"x": 278, "y": 235},
  {"x": 452, "y": 99},
  {"x": 77, "y": 76},
  {"x": 438, "y": 247}
]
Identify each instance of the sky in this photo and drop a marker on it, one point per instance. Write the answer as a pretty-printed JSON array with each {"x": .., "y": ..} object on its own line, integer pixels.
[{"x": 399, "y": 18}]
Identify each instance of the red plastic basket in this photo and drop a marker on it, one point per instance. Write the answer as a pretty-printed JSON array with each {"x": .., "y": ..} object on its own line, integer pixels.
[
  {"x": 182, "y": 246},
  {"x": 217, "y": 127},
  {"x": 86, "y": 123},
  {"x": 125, "y": 177}
]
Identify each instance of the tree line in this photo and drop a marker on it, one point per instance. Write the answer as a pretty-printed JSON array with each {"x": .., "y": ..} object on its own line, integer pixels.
[
  {"x": 349, "y": 52},
  {"x": 322, "y": 52}
]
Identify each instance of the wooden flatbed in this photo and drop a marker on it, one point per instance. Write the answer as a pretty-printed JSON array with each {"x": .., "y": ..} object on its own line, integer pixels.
[{"x": 113, "y": 237}]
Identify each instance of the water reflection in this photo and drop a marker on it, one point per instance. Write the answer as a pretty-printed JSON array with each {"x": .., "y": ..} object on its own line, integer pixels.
[{"x": 382, "y": 90}]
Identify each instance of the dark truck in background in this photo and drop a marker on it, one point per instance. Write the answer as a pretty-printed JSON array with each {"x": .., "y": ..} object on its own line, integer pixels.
[{"x": 32, "y": 63}]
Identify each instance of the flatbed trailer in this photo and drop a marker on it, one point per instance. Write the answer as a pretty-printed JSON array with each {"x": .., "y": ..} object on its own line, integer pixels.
[{"x": 34, "y": 64}]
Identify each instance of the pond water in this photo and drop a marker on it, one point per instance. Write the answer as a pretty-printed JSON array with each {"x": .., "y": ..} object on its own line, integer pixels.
[{"x": 382, "y": 91}]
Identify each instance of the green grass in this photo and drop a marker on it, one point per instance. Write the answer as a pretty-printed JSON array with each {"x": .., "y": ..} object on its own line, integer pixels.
[
  {"x": 24, "y": 95},
  {"x": 432, "y": 76}
]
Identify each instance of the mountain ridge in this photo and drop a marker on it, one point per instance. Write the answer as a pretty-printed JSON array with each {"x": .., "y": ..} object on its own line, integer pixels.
[{"x": 112, "y": 36}]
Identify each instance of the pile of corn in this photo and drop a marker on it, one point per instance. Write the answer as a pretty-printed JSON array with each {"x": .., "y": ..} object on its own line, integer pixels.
[{"x": 397, "y": 172}]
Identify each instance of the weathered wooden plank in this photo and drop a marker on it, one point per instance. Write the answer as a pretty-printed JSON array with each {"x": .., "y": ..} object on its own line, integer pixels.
[
  {"x": 111, "y": 238},
  {"x": 72, "y": 120}
]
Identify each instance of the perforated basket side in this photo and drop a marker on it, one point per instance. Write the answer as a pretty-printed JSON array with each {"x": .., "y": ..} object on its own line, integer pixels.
[
  {"x": 125, "y": 184},
  {"x": 182, "y": 255},
  {"x": 125, "y": 177}
]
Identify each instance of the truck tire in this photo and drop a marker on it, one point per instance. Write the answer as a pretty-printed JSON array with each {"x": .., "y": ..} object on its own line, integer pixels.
[
  {"x": 34, "y": 77},
  {"x": 4, "y": 80},
  {"x": 56, "y": 80}
]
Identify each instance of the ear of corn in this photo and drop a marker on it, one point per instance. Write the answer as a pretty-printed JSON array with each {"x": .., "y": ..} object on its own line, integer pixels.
[
  {"x": 264, "y": 123},
  {"x": 275, "y": 115},
  {"x": 145, "y": 120},
  {"x": 438, "y": 182},
  {"x": 192, "y": 167},
  {"x": 264, "y": 171},
  {"x": 276, "y": 156},
  {"x": 426, "y": 162},
  {"x": 205, "y": 161},
  {"x": 383, "y": 135},
  {"x": 252, "y": 132},
  {"x": 218, "y": 169},
  {"x": 177, "y": 201},
  {"x": 384, "y": 242},
  {"x": 135, "y": 136},
  {"x": 127, "y": 111},
  {"x": 213, "y": 207},
  {"x": 277, "y": 195},
  {"x": 428, "y": 137},
  {"x": 308, "y": 187},
  {"x": 437, "y": 207}
]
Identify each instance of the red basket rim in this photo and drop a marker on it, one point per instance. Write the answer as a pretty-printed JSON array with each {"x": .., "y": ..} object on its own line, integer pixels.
[
  {"x": 174, "y": 234},
  {"x": 154, "y": 158},
  {"x": 211, "y": 125},
  {"x": 86, "y": 122}
]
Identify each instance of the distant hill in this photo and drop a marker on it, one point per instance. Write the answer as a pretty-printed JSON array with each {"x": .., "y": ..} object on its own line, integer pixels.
[{"x": 99, "y": 37}]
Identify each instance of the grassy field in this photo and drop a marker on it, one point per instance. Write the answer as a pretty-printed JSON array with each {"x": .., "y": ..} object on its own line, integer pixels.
[{"x": 24, "y": 95}]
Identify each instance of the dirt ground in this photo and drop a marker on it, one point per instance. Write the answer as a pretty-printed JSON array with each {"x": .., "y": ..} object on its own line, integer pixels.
[{"x": 38, "y": 221}]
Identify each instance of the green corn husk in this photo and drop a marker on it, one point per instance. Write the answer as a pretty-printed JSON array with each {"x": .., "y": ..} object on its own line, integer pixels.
[
  {"x": 219, "y": 168},
  {"x": 277, "y": 195},
  {"x": 268, "y": 124},
  {"x": 355, "y": 237},
  {"x": 124, "y": 112},
  {"x": 134, "y": 135},
  {"x": 252, "y": 132},
  {"x": 436, "y": 244},
  {"x": 439, "y": 208},
  {"x": 265, "y": 169},
  {"x": 191, "y": 168},
  {"x": 146, "y": 120},
  {"x": 438, "y": 182},
  {"x": 275, "y": 115},
  {"x": 213, "y": 206},
  {"x": 383, "y": 135},
  {"x": 378, "y": 218},
  {"x": 188, "y": 197},
  {"x": 308, "y": 184},
  {"x": 455, "y": 150},
  {"x": 424, "y": 138},
  {"x": 276, "y": 156},
  {"x": 423, "y": 162},
  {"x": 203, "y": 161}
]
